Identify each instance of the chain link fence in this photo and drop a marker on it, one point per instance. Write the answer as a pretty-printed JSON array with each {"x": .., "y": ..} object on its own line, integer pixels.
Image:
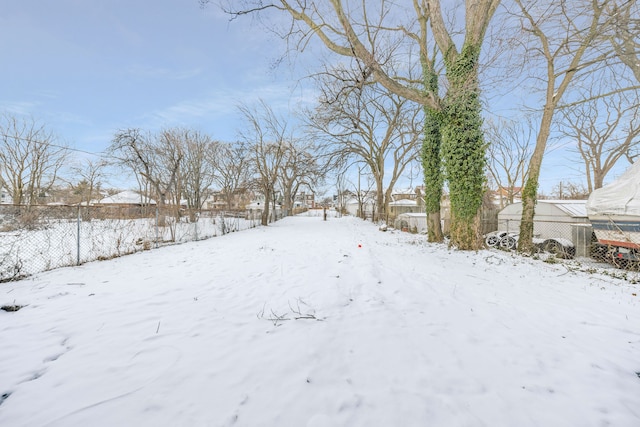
[
  {"x": 40, "y": 238},
  {"x": 562, "y": 238}
]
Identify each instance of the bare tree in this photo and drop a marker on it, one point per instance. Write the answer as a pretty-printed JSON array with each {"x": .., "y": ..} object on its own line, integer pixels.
[
  {"x": 558, "y": 35},
  {"x": 372, "y": 126},
  {"x": 300, "y": 169},
  {"x": 369, "y": 31},
  {"x": 197, "y": 172},
  {"x": 267, "y": 137},
  {"x": 625, "y": 38},
  {"x": 509, "y": 149},
  {"x": 30, "y": 159},
  {"x": 362, "y": 189},
  {"x": 154, "y": 160},
  {"x": 567, "y": 190},
  {"x": 341, "y": 189},
  {"x": 233, "y": 168},
  {"x": 605, "y": 129},
  {"x": 91, "y": 173}
]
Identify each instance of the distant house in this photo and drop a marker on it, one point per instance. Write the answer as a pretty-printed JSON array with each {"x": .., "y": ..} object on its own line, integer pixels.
[
  {"x": 255, "y": 209},
  {"x": 506, "y": 195},
  {"x": 404, "y": 194},
  {"x": 5, "y": 197},
  {"x": 305, "y": 200},
  {"x": 402, "y": 206},
  {"x": 126, "y": 198},
  {"x": 406, "y": 201},
  {"x": 363, "y": 207},
  {"x": 239, "y": 200}
]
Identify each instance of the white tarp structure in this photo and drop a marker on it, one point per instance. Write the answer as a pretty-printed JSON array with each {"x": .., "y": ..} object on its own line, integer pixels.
[
  {"x": 621, "y": 197},
  {"x": 614, "y": 210}
]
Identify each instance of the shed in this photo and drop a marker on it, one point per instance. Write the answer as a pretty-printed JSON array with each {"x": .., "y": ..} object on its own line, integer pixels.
[
  {"x": 402, "y": 206},
  {"x": 412, "y": 222},
  {"x": 566, "y": 219}
]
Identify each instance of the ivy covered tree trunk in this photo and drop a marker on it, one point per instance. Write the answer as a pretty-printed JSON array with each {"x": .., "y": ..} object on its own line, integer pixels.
[
  {"x": 431, "y": 162},
  {"x": 464, "y": 148}
]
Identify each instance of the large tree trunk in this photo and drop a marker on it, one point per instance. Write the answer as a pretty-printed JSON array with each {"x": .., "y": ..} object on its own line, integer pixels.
[
  {"x": 287, "y": 204},
  {"x": 464, "y": 149},
  {"x": 530, "y": 191},
  {"x": 379, "y": 214},
  {"x": 432, "y": 162},
  {"x": 264, "y": 220}
]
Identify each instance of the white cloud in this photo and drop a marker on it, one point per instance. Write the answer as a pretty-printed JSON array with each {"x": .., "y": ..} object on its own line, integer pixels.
[{"x": 22, "y": 108}]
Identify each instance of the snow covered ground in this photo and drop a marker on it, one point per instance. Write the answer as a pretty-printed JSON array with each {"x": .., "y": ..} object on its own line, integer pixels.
[{"x": 314, "y": 323}]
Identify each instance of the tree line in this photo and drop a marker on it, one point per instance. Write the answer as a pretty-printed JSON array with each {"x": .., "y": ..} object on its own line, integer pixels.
[
  {"x": 405, "y": 84},
  {"x": 578, "y": 58},
  {"x": 177, "y": 167}
]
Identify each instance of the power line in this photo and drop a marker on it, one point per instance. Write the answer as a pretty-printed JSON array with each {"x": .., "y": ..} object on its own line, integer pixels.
[{"x": 100, "y": 154}]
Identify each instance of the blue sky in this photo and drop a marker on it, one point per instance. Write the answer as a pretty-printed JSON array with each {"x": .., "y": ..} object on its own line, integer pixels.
[{"x": 88, "y": 68}]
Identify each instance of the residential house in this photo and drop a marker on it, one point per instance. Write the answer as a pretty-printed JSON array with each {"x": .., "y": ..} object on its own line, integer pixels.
[
  {"x": 127, "y": 204},
  {"x": 406, "y": 201},
  {"x": 363, "y": 206},
  {"x": 5, "y": 197},
  {"x": 239, "y": 200}
]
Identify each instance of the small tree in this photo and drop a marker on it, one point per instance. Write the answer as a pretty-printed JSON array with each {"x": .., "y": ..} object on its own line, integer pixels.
[
  {"x": 197, "y": 171},
  {"x": 371, "y": 126},
  {"x": 30, "y": 159},
  {"x": 232, "y": 168},
  {"x": 266, "y": 136},
  {"x": 298, "y": 170},
  {"x": 91, "y": 173},
  {"x": 155, "y": 160},
  {"x": 567, "y": 190},
  {"x": 509, "y": 150}
]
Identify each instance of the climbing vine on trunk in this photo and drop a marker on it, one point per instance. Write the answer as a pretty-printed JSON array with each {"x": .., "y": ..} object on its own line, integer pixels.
[
  {"x": 432, "y": 162},
  {"x": 464, "y": 148}
]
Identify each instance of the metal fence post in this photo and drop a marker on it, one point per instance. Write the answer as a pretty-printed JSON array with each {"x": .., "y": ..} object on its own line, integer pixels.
[
  {"x": 157, "y": 215},
  {"x": 78, "y": 239}
]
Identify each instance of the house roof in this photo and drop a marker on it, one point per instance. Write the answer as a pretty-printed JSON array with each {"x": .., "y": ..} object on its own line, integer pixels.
[
  {"x": 127, "y": 197},
  {"x": 413, "y": 215},
  {"x": 354, "y": 201},
  {"x": 548, "y": 209},
  {"x": 404, "y": 191},
  {"x": 404, "y": 202}
]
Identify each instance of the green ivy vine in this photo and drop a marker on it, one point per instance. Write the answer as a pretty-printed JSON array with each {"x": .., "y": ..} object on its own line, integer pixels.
[{"x": 463, "y": 147}]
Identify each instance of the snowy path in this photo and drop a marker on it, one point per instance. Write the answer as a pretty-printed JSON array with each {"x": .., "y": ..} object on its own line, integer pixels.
[{"x": 395, "y": 332}]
